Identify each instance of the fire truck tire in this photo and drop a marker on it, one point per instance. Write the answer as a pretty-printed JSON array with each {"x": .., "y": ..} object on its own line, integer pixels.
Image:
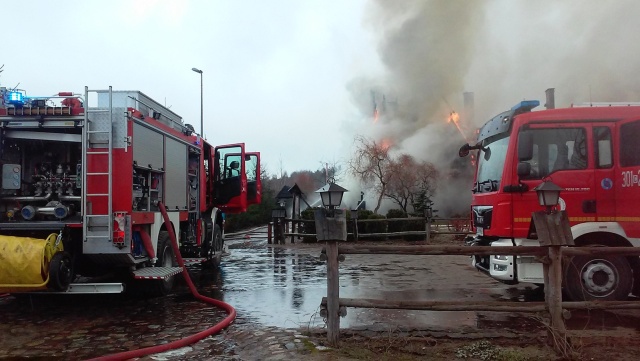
[
  {"x": 218, "y": 242},
  {"x": 60, "y": 271},
  {"x": 603, "y": 278},
  {"x": 214, "y": 248},
  {"x": 166, "y": 258}
]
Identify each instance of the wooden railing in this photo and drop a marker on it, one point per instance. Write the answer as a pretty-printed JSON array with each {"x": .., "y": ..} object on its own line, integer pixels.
[
  {"x": 455, "y": 226},
  {"x": 551, "y": 256}
]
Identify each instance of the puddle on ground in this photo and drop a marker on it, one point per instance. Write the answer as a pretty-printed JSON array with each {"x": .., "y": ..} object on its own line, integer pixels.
[{"x": 283, "y": 287}]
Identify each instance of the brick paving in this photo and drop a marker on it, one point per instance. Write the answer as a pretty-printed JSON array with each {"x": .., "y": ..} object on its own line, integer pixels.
[{"x": 80, "y": 327}]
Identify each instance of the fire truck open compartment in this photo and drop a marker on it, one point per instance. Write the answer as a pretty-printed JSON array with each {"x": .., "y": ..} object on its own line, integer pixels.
[
  {"x": 41, "y": 175},
  {"x": 86, "y": 176}
]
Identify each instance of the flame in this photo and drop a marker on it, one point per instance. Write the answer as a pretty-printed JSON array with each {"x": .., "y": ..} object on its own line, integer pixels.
[
  {"x": 386, "y": 143},
  {"x": 454, "y": 118}
]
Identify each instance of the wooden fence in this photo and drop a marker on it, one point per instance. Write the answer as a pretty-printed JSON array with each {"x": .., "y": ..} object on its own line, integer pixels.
[
  {"x": 457, "y": 226},
  {"x": 551, "y": 257}
]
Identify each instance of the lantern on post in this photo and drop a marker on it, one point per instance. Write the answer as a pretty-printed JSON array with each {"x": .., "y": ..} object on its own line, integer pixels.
[
  {"x": 548, "y": 194},
  {"x": 553, "y": 231},
  {"x": 331, "y": 195},
  {"x": 331, "y": 227}
]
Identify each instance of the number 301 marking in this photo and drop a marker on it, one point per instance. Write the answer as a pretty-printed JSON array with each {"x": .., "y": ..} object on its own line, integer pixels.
[{"x": 630, "y": 179}]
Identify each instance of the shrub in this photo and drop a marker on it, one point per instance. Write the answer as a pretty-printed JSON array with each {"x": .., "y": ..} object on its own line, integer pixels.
[
  {"x": 308, "y": 227},
  {"x": 396, "y": 226},
  {"x": 414, "y": 225},
  {"x": 375, "y": 227}
]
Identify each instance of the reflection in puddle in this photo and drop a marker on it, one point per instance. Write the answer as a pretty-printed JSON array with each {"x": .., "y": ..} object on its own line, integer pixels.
[{"x": 283, "y": 287}]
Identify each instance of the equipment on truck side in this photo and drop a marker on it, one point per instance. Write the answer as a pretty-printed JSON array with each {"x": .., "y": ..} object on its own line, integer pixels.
[
  {"x": 592, "y": 153},
  {"x": 82, "y": 177}
]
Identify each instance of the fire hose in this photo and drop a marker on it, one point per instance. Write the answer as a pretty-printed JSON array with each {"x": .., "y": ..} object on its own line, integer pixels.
[{"x": 190, "y": 339}]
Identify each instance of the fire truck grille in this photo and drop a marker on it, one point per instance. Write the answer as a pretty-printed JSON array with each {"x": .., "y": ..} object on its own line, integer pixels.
[{"x": 482, "y": 216}]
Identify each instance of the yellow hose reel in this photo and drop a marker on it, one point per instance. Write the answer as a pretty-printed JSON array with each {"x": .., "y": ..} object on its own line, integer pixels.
[{"x": 29, "y": 264}]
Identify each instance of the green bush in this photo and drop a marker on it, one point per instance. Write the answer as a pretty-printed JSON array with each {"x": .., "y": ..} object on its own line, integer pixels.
[
  {"x": 414, "y": 225},
  {"x": 376, "y": 227},
  {"x": 308, "y": 227},
  {"x": 396, "y": 226},
  {"x": 256, "y": 215},
  {"x": 364, "y": 214}
]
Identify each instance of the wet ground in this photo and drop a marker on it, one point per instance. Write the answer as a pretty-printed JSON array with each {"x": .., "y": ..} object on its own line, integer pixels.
[{"x": 276, "y": 291}]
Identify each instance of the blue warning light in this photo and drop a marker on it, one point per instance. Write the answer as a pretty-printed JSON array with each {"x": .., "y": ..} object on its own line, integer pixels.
[{"x": 16, "y": 98}]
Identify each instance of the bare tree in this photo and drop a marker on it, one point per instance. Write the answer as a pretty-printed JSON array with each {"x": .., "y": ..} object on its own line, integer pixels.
[
  {"x": 408, "y": 179},
  {"x": 402, "y": 180},
  {"x": 371, "y": 166},
  {"x": 332, "y": 170},
  {"x": 427, "y": 176}
]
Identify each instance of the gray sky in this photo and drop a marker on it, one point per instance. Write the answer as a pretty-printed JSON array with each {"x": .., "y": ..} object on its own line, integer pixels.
[
  {"x": 274, "y": 71},
  {"x": 281, "y": 75}
]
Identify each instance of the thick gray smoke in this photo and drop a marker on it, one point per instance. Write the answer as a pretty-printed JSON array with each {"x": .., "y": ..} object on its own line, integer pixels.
[
  {"x": 503, "y": 52},
  {"x": 427, "y": 48}
]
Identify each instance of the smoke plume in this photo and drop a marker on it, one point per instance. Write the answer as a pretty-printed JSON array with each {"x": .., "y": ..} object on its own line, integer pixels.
[{"x": 503, "y": 52}]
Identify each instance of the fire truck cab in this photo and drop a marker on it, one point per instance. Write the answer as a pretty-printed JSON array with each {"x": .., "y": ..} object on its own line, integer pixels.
[
  {"x": 84, "y": 178},
  {"x": 592, "y": 152}
]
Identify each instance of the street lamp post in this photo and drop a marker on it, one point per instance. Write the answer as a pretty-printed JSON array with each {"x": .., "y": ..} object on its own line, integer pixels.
[{"x": 201, "y": 102}]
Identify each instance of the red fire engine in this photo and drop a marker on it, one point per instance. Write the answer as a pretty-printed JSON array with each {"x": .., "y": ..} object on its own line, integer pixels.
[
  {"x": 83, "y": 179},
  {"x": 593, "y": 153}
]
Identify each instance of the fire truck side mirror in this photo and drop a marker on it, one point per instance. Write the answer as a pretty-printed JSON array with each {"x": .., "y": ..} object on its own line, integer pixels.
[
  {"x": 525, "y": 146},
  {"x": 524, "y": 169},
  {"x": 464, "y": 151}
]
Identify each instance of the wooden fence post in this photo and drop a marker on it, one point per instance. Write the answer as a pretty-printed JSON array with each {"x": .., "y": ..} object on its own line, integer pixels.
[
  {"x": 332, "y": 230},
  {"x": 286, "y": 230},
  {"x": 354, "y": 218},
  {"x": 294, "y": 225},
  {"x": 554, "y": 231},
  {"x": 333, "y": 294},
  {"x": 270, "y": 233},
  {"x": 427, "y": 228},
  {"x": 554, "y": 299}
]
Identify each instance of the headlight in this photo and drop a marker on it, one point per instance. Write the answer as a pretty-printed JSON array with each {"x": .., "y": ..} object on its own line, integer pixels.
[
  {"x": 500, "y": 257},
  {"x": 499, "y": 267}
]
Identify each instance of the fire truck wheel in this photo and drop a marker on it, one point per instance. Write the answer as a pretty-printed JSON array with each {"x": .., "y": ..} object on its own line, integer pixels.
[
  {"x": 214, "y": 249},
  {"x": 60, "y": 271},
  {"x": 166, "y": 258},
  {"x": 604, "y": 278}
]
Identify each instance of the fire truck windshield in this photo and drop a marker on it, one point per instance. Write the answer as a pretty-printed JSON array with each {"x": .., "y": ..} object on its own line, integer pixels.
[{"x": 491, "y": 160}]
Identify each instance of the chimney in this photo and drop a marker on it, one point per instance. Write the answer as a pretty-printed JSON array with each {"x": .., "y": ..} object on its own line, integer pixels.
[{"x": 551, "y": 98}]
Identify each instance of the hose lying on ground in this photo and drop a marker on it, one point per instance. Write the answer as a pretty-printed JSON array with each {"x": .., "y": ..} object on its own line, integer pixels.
[{"x": 190, "y": 339}]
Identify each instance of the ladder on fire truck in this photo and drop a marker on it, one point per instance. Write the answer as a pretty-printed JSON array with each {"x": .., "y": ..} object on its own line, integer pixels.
[{"x": 97, "y": 141}]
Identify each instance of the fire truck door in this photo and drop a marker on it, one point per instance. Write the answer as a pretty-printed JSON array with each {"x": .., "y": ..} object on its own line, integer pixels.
[
  {"x": 230, "y": 178},
  {"x": 605, "y": 203},
  {"x": 561, "y": 155},
  {"x": 626, "y": 181},
  {"x": 254, "y": 183}
]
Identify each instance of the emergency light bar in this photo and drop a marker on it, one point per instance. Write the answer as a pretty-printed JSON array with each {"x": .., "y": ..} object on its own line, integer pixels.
[{"x": 525, "y": 106}]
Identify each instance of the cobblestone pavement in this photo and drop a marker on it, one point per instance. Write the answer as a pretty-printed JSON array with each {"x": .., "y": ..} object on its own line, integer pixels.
[
  {"x": 53, "y": 328},
  {"x": 276, "y": 291},
  {"x": 241, "y": 343}
]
